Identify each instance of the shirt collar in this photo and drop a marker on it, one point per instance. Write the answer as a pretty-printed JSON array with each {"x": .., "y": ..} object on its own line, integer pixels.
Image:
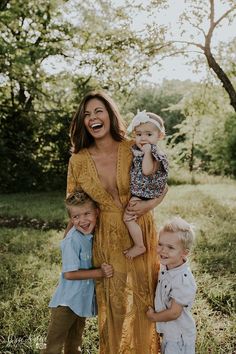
[
  {"x": 172, "y": 272},
  {"x": 89, "y": 236}
]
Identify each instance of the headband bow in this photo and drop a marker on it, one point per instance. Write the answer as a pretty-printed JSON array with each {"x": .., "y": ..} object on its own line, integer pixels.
[{"x": 143, "y": 117}]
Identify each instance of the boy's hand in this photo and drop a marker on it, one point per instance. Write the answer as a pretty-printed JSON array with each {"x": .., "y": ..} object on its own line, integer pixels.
[
  {"x": 107, "y": 270},
  {"x": 151, "y": 314}
]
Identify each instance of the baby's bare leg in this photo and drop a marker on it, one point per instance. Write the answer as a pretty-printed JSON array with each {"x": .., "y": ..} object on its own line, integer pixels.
[{"x": 137, "y": 236}]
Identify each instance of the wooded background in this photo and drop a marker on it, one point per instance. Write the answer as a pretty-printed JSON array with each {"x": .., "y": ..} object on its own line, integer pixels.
[
  {"x": 95, "y": 45},
  {"x": 51, "y": 53}
]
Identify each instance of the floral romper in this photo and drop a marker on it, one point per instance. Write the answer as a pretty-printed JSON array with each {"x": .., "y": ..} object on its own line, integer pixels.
[{"x": 151, "y": 186}]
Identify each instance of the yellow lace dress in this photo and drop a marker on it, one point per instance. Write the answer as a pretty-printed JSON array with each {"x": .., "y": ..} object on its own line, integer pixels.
[{"x": 122, "y": 299}]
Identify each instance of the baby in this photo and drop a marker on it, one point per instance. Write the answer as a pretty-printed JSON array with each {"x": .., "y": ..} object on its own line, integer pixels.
[{"x": 149, "y": 171}]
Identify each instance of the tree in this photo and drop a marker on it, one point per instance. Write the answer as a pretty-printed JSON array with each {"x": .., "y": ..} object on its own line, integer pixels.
[
  {"x": 205, "y": 139},
  {"x": 95, "y": 43},
  {"x": 29, "y": 35},
  {"x": 106, "y": 45},
  {"x": 188, "y": 140},
  {"x": 201, "y": 16},
  {"x": 158, "y": 99}
]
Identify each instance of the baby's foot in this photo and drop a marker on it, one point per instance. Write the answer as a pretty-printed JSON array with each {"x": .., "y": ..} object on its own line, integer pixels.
[{"x": 134, "y": 251}]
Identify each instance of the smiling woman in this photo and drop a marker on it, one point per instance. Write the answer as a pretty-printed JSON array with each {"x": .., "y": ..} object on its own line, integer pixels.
[
  {"x": 91, "y": 114},
  {"x": 100, "y": 166}
]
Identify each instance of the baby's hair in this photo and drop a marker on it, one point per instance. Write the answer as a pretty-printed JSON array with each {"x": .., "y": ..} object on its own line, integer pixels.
[
  {"x": 78, "y": 198},
  {"x": 183, "y": 229}
]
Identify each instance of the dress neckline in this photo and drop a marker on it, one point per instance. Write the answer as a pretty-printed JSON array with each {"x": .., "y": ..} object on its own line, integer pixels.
[{"x": 96, "y": 176}]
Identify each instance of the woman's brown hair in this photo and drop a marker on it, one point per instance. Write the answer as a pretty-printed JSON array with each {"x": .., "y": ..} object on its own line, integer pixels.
[{"x": 80, "y": 137}]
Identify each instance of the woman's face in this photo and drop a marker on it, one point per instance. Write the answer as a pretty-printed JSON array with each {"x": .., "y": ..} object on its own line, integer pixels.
[{"x": 96, "y": 119}]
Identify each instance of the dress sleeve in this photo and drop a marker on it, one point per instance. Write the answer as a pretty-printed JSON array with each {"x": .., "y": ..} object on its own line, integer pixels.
[
  {"x": 72, "y": 176},
  {"x": 184, "y": 290},
  {"x": 161, "y": 157}
]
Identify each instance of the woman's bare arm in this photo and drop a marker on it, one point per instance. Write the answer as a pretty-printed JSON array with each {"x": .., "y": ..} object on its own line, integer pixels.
[{"x": 138, "y": 208}]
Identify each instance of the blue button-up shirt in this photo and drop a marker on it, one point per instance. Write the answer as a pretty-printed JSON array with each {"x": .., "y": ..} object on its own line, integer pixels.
[{"x": 79, "y": 295}]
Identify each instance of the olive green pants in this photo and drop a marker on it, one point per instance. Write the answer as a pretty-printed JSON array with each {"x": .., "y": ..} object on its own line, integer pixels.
[{"x": 65, "y": 329}]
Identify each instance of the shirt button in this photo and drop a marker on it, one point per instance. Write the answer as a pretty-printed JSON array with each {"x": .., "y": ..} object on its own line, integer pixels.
[
  {"x": 162, "y": 272},
  {"x": 185, "y": 275}
]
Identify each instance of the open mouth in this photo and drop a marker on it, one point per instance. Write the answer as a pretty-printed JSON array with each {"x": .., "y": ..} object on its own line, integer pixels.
[
  {"x": 85, "y": 227},
  {"x": 96, "y": 126},
  {"x": 164, "y": 257}
]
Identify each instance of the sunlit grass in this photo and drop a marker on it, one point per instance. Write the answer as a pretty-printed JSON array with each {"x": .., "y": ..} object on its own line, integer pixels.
[
  {"x": 31, "y": 266},
  {"x": 45, "y": 206},
  {"x": 212, "y": 209}
]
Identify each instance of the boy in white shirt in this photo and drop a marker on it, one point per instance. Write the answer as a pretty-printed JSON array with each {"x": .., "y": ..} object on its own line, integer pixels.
[{"x": 176, "y": 289}]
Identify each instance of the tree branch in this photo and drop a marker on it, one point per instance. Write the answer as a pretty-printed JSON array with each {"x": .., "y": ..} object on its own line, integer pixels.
[
  {"x": 224, "y": 15},
  {"x": 199, "y": 45}
]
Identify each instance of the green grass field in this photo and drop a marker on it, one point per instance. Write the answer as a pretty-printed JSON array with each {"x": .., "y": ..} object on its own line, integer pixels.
[{"x": 30, "y": 266}]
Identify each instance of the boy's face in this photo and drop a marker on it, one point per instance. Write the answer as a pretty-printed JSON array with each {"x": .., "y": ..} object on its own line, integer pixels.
[
  {"x": 170, "y": 249},
  {"x": 84, "y": 217}
]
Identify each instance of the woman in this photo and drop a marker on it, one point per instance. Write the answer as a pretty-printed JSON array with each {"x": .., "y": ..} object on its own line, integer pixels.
[{"x": 100, "y": 166}]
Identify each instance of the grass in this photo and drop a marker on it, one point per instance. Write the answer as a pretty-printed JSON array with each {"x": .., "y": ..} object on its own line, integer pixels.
[
  {"x": 30, "y": 268},
  {"x": 44, "y": 206}
]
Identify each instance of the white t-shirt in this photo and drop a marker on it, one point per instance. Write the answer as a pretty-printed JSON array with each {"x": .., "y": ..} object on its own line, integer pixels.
[{"x": 178, "y": 284}]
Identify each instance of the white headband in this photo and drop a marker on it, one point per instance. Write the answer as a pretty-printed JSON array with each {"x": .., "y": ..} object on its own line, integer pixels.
[{"x": 143, "y": 117}]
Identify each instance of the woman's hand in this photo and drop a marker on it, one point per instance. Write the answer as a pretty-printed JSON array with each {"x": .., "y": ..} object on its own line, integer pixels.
[{"x": 137, "y": 207}]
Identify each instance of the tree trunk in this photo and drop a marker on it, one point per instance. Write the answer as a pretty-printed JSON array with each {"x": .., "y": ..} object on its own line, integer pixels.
[
  {"x": 221, "y": 76},
  {"x": 191, "y": 159}
]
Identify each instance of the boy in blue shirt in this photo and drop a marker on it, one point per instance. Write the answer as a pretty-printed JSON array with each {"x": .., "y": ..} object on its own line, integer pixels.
[{"x": 74, "y": 298}]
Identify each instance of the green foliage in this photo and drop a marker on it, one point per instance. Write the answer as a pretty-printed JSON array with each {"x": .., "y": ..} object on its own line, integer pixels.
[
  {"x": 203, "y": 19},
  {"x": 52, "y": 52},
  {"x": 158, "y": 99},
  {"x": 30, "y": 35},
  {"x": 37, "y": 106},
  {"x": 223, "y": 148},
  {"x": 205, "y": 140}
]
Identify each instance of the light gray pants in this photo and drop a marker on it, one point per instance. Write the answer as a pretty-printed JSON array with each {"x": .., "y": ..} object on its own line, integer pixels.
[{"x": 180, "y": 347}]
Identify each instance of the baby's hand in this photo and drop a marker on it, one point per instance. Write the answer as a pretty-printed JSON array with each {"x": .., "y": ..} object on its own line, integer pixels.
[
  {"x": 150, "y": 314},
  {"x": 146, "y": 148},
  {"x": 107, "y": 270}
]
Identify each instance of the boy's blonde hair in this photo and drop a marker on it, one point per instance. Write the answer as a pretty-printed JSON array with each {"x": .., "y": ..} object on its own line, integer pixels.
[
  {"x": 78, "y": 198},
  {"x": 183, "y": 229}
]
